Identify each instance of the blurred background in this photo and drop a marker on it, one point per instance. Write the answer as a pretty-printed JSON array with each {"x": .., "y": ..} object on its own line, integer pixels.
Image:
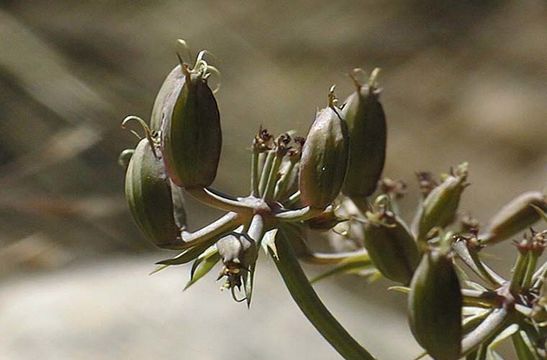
[{"x": 463, "y": 81}]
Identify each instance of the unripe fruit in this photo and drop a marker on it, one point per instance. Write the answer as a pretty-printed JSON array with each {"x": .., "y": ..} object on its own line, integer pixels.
[
  {"x": 391, "y": 246},
  {"x": 324, "y": 160},
  {"x": 148, "y": 193},
  {"x": 190, "y": 132},
  {"x": 435, "y": 306},
  {"x": 441, "y": 204},
  {"x": 164, "y": 99},
  {"x": 367, "y": 130},
  {"x": 514, "y": 217}
]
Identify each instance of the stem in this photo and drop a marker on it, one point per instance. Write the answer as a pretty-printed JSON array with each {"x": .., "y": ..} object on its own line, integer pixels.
[
  {"x": 519, "y": 272},
  {"x": 299, "y": 215},
  {"x": 255, "y": 232},
  {"x": 523, "y": 350},
  {"x": 254, "y": 174},
  {"x": 310, "y": 304},
  {"x": 475, "y": 264},
  {"x": 333, "y": 258},
  {"x": 483, "y": 299},
  {"x": 218, "y": 200},
  {"x": 265, "y": 172},
  {"x": 227, "y": 223},
  {"x": 272, "y": 177},
  {"x": 292, "y": 200},
  {"x": 530, "y": 269},
  {"x": 284, "y": 181},
  {"x": 487, "y": 329}
]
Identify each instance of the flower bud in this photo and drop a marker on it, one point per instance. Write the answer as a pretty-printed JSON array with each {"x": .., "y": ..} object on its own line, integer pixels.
[
  {"x": 514, "y": 217},
  {"x": 367, "y": 131},
  {"x": 391, "y": 246},
  {"x": 191, "y": 133},
  {"x": 435, "y": 306},
  {"x": 238, "y": 253},
  {"x": 148, "y": 193},
  {"x": 441, "y": 204},
  {"x": 164, "y": 99},
  {"x": 324, "y": 160}
]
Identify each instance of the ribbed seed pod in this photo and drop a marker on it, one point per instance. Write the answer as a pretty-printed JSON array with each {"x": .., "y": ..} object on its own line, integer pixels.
[
  {"x": 324, "y": 160},
  {"x": 391, "y": 246},
  {"x": 367, "y": 130},
  {"x": 435, "y": 306},
  {"x": 148, "y": 193},
  {"x": 173, "y": 81},
  {"x": 441, "y": 204},
  {"x": 191, "y": 133},
  {"x": 514, "y": 217}
]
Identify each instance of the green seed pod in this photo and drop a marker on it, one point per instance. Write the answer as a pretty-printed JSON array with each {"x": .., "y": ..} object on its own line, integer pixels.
[
  {"x": 367, "y": 130},
  {"x": 179, "y": 212},
  {"x": 435, "y": 306},
  {"x": 441, "y": 204},
  {"x": 164, "y": 99},
  {"x": 191, "y": 133},
  {"x": 391, "y": 246},
  {"x": 514, "y": 217},
  {"x": 324, "y": 160},
  {"x": 148, "y": 193}
]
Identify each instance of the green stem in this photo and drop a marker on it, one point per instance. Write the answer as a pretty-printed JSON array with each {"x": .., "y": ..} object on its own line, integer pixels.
[
  {"x": 490, "y": 327},
  {"x": 522, "y": 348},
  {"x": 483, "y": 299},
  {"x": 284, "y": 181},
  {"x": 310, "y": 304},
  {"x": 218, "y": 200},
  {"x": 333, "y": 258},
  {"x": 530, "y": 269},
  {"x": 298, "y": 215},
  {"x": 255, "y": 232},
  {"x": 265, "y": 174},
  {"x": 254, "y": 174},
  {"x": 226, "y": 223},
  {"x": 519, "y": 272},
  {"x": 472, "y": 260},
  {"x": 292, "y": 200},
  {"x": 272, "y": 177}
]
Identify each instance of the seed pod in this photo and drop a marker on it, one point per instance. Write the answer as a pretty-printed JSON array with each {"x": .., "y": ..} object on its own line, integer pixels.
[
  {"x": 148, "y": 193},
  {"x": 324, "y": 160},
  {"x": 172, "y": 82},
  {"x": 191, "y": 133},
  {"x": 435, "y": 306},
  {"x": 367, "y": 130},
  {"x": 514, "y": 217},
  {"x": 441, "y": 204},
  {"x": 391, "y": 246},
  {"x": 179, "y": 212}
]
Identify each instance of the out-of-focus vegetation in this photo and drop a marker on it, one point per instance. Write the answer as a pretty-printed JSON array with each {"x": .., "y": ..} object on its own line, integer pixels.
[{"x": 463, "y": 81}]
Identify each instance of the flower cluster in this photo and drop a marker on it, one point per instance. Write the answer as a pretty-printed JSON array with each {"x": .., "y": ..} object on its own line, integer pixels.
[{"x": 301, "y": 184}]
